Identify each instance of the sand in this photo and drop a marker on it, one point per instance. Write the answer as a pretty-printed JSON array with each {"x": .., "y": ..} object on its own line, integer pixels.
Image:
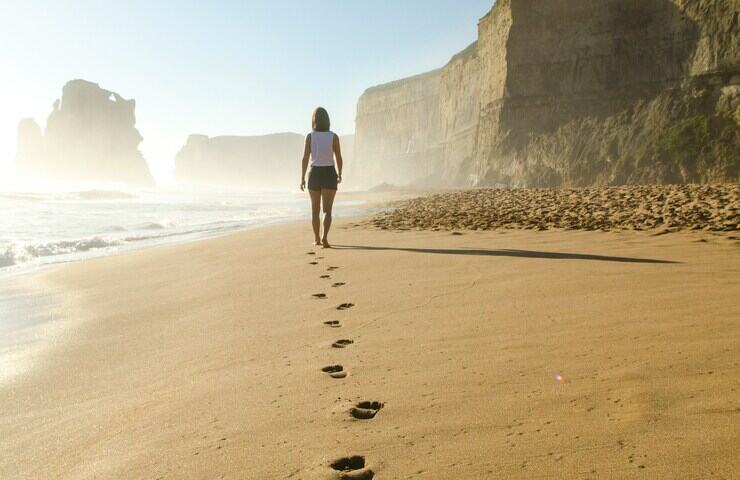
[
  {"x": 493, "y": 354},
  {"x": 658, "y": 208}
]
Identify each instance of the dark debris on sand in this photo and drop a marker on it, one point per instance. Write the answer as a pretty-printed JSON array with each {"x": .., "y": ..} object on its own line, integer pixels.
[{"x": 634, "y": 207}]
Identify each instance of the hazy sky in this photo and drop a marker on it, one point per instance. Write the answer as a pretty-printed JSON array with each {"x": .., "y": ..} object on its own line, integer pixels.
[{"x": 219, "y": 67}]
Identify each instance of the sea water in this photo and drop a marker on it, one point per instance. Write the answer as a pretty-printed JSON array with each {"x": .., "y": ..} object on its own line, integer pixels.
[{"x": 38, "y": 229}]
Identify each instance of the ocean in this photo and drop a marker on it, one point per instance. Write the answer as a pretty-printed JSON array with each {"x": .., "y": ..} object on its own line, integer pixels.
[{"x": 38, "y": 229}]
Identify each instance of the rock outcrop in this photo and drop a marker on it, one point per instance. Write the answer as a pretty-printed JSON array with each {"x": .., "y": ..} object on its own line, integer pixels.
[
  {"x": 245, "y": 162},
  {"x": 568, "y": 93},
  {"x": 236, "y": 162},
  {"x": 90, "y": 136}
]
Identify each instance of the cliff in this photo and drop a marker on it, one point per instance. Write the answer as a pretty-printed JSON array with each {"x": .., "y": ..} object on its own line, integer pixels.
[
  {"x": 245, "y": 162},
  {"x": 236, "y": 162},
  {"x": 568, "y": 93},
  {"x": 90, "y": 135}
]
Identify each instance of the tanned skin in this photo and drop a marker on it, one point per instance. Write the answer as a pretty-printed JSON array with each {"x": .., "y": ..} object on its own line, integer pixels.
[{"x": 323, "y": 196}]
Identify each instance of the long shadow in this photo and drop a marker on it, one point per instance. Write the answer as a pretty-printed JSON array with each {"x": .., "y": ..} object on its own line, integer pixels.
[{"x": 507, "y": 253}]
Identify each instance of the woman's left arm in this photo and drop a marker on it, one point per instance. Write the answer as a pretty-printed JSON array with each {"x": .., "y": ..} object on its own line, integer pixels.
[
  {"x": 338, "y": 155},
  {"x": 304, "y": 162}
]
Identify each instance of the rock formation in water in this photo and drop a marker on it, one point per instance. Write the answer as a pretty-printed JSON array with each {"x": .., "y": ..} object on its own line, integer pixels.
[
  {"x": 90, "y": 136},
  {"x": 568, "y": 93},
  {"x": 245, "y": 162}
]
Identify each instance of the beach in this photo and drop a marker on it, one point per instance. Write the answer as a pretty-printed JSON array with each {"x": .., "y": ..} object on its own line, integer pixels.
[{"x": 505, "y": 353}]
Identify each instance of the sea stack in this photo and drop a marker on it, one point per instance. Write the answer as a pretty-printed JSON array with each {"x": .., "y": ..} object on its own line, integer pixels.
[
  {"x": 567, "y": 93},
  {"x": 90, "y": 136}
]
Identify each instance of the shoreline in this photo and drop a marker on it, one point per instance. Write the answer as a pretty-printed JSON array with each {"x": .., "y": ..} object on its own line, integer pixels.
[
  {"x": 515, "y": 353},
  {"x": 351, "y": 204},
  {"x": 27, "y": 322}
]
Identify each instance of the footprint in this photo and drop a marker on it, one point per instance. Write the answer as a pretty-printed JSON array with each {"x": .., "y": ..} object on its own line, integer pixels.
[
  {"x": 319, "y": 258},
  {"x": 332, "y": 268},
  {"x": 338, "y": 284},
  {"x": 456, "y": 233},
  {"x": 310, "y": 253},
  {"x": 319, "y": 295},
  {"x": 342, "y": 343},
  {"x": 345, "y": 306},
  {"x": 325, "y": 276},
  {"x": 335, "y": 371},
  {"x": 313, "y": 263},
  {"x": 365, "y": 410},
  {"x": 352, "y": 468},
  {"x": 333, "y": 323}
]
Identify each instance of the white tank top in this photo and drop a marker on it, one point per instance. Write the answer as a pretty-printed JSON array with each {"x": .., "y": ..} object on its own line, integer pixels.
[{"x": 322, "y": 149}]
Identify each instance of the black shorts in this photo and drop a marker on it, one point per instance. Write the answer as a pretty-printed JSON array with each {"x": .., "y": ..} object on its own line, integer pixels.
[{"x": 322, "y": 178}]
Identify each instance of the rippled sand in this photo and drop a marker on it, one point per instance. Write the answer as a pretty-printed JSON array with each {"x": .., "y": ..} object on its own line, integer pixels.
[{"x": 667, "y": 208}]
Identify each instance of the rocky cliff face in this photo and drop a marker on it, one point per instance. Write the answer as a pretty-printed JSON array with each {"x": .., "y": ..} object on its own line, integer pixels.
[
  {"x": 234, "y": 162},
  {"x": 568, "y": 93},
  {"x": 241, "y": 162},
  {"x": 90, "y": 135},
  {"x": 399, "y": 125}
]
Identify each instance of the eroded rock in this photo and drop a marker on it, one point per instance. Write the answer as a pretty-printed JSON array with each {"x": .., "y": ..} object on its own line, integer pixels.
[
  {"x": 566, "y": 93},
  {"x": 90, "y": 135}
]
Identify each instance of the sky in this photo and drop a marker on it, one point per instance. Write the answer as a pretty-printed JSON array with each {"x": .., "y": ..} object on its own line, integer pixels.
[{"x": 247, "y": 67}]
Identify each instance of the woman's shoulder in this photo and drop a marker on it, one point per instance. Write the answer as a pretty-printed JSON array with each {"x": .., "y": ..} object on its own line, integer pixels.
[{"x": 320, "y": 134}]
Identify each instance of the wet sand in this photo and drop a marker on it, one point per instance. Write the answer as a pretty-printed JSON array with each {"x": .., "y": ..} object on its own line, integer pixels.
[{"x": 492, "y": 354}]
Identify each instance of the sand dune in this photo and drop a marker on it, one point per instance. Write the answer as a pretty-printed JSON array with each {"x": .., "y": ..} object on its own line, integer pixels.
[{"x": 483, "y": 355}]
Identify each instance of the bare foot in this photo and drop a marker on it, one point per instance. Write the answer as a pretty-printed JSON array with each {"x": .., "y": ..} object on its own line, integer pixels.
[
  {"x": 317, "y": 242},
  {"x": 325, "y": 244}
]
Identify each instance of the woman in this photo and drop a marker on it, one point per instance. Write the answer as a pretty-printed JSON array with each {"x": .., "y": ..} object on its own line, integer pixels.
[{"x": 322, "y": 146}]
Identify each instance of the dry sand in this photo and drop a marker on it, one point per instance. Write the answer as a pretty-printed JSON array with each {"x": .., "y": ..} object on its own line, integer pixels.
[
  {"x": 660, "y": 208},
  {"x": 495, "y": 355}
]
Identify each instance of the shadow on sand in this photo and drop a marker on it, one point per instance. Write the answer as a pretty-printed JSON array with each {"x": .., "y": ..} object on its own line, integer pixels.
[{"x": 507, "y": 253}]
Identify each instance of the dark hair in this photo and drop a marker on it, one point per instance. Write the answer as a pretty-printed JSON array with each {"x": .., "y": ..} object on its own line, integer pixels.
[{"x": 320, "y": 120}]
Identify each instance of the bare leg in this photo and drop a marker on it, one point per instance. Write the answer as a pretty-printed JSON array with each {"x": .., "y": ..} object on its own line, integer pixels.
[
  {"x": 316, "y": 214},
  {"x": 327, "y": 198}
]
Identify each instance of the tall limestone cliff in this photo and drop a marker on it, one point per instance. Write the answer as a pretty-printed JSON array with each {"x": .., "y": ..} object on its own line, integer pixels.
[
  {"x": 90, "y": 136},
  {"x": 245, "y": 162},
  {"x": 568, "y": 93},
  {"x": 236, "y": 162}
]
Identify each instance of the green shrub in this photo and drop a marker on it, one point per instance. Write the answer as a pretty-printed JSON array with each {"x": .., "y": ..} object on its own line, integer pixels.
[
  {"x": 683, "y": 144},
  {"x": 687, "y": 138}
]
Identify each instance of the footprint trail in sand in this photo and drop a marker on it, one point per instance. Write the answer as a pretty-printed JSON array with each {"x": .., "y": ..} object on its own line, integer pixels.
[
  {"x": 335, "y": 371},
  {"x": 344, "y": 343},
  {"x": 365, "y": 410},
  {"x": 352, "y": 467}
]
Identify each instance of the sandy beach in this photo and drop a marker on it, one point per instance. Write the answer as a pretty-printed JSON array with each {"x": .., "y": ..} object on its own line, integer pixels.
[
  {"x": 496, "y": 354},
  {"x": 450, "y": 240}
]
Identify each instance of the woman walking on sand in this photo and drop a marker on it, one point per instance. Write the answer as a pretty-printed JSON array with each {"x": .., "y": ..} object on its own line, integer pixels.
[{"x": 322, "y": 147}]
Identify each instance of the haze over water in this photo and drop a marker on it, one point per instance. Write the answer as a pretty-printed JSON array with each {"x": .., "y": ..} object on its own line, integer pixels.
[{"x": 43, "y": 228}]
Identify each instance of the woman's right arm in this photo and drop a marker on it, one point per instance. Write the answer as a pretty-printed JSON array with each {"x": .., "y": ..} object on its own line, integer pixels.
[{"x": 304, "y": 165}]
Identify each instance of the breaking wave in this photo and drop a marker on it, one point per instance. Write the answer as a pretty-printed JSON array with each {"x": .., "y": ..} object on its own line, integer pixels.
[
  {"x": 16, "y": 254},
  {"x": 103, "y": 195},
  {"x": 39, "y": 229},
  {"x": 7, "y": 258}
]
